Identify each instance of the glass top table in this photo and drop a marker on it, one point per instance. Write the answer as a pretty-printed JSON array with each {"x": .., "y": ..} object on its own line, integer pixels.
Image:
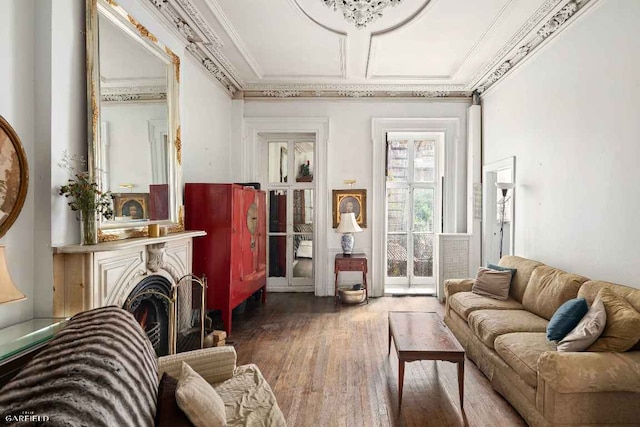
[{"x": 29, "y": 335}]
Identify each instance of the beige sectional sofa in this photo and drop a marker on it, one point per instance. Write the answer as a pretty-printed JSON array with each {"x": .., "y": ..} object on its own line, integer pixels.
[{"x": 507, "y": 340}]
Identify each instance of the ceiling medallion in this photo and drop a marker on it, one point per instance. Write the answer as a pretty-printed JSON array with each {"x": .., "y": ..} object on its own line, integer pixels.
[{"x": 361, "y": 12}]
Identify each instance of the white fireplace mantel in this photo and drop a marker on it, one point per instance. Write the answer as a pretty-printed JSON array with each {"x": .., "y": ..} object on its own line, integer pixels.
[
  {"x": 125, "y": 244},
  {"x": 91, "y": 276}
]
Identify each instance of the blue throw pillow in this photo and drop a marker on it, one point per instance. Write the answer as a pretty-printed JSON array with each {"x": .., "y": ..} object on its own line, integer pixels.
[
  {"x": 566, "y": 317},
  {"x": 500, "y": 268}
]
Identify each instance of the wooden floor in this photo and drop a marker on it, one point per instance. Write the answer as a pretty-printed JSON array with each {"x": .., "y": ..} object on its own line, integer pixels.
[{"x": 328, "y": 366}]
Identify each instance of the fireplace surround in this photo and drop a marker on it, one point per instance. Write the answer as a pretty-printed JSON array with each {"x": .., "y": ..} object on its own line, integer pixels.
[{"x": 109, "y": 273}]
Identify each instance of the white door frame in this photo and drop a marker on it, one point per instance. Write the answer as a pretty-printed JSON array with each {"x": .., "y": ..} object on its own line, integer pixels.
[
  {"x": 438, "y": 139},
  {"x": 288, "y": 283},
  {"x": 250, "y": 165},
  {"x": 454, "y": 198}
]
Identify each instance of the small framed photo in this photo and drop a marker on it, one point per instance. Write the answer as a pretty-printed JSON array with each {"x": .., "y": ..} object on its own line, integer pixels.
[
  {"x": 129, "y": 206},
  {"x": 350, "y": 201}
]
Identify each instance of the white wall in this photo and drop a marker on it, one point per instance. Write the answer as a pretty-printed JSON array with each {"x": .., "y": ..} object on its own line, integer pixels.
[
  {"x": 570, "y": 115},
  {"x": 44, "y": 99},
  {"x": 129, "y": 147},
  {"x": 17, "y": 107},
  {"x": 350, "y": 151},
  {"x": 206, "y": 128},
  {"x": 205, "y": 112}
]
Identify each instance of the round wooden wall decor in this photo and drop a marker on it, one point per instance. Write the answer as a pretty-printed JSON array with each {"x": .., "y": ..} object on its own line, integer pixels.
[{"x": 14, "y": 176}]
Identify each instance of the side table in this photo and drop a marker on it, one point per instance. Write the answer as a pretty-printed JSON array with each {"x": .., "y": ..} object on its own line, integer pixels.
[{"x": 353, "y": 262}]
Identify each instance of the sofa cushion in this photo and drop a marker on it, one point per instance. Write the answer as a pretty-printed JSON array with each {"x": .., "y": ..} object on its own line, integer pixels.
[
  {"x": 490, "y": 324},
  {"x": 591, "y": 288},
  {"x": 464, "y": 303},
  {"x": 524, "y": 268},
  {"x": 168, "y": 413},
  {"x": 548, "y": 289},
  {"x": 521, "y": 351},
  {"x": 622, "y": 330},
  {"x": 249, "y": 400},
  {"x": 587, "y": 331},
  {"x": 499, "y": 268},
  {"x": 199, "y": 400},
  {"x": 566, "y": 317},
  {"x": 492, "y": 283}
]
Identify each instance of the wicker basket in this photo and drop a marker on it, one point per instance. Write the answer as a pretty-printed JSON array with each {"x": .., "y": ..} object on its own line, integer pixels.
[{"x": 349, "y": 296}]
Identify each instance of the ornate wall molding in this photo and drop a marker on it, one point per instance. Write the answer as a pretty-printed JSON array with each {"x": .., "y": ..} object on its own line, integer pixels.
[
  {"x": 205, "y": 45},
  {"x": 552, "y": 25},
  {"x": 526, "y": 29},
  {"x": 353, "y": 91},
  {"x": 200, "y": 40},
  {"x": 128, "y": 94},
  {"x": 281, "y": 93},
  {"x": 356, "y": 93}
]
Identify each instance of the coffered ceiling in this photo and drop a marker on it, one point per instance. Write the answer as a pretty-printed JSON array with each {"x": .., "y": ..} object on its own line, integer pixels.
[{"x": 301, "y": 48}]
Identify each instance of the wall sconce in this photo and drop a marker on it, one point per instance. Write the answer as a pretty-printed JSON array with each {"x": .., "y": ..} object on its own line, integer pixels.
[
  {"x": 504, "y": 187},
  {"x": 348, "y": 225}
]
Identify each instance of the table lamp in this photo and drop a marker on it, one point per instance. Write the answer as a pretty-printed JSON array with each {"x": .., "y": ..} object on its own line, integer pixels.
[
  {"x": 348, "y": 225},
  {"x": 8, "y": 291}
]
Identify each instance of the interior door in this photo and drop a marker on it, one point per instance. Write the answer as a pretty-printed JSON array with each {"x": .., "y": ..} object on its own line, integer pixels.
[{"x": 290, "y": 185}]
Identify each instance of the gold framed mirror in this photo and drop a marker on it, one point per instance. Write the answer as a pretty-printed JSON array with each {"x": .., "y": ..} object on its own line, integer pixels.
[{"x": 134, "y": 129}]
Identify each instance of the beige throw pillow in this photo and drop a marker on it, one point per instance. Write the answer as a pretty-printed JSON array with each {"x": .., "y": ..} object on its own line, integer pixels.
[
  {"x": 199, "y": 400},
  {"x": 587, "y": 330},
  {"x": 493, "y": 284},
  {"x": 623, "y": 324}
]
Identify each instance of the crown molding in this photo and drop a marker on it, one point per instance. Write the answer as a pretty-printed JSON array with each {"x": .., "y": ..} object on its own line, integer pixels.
[
  {"x": 550, "y": 27},
  {"x": 523, "y": 31},
  {"x": 199, "y": 39},
  {"x": 258, "y": 90},
  {"x": 228, "y": 27},
  {"x": 204, "y": 46}
]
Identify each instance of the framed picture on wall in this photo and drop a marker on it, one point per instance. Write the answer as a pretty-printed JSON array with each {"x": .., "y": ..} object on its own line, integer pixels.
[
  {"x": 130, "y": 206},
  {"x": 350, "y": 201},
  {"x": 14, "y": 176}
]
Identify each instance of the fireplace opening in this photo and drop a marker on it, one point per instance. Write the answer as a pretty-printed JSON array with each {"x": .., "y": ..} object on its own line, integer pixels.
[{"x": 151, "y": 310}]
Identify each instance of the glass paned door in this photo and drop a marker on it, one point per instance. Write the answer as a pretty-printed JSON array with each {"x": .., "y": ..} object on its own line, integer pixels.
[
  {"x": 290, "y": 185},
  {"x": 411, "y": 211}
]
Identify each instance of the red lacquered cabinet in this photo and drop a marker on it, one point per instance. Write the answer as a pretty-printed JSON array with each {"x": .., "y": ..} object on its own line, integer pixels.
[{"x": 233, "y": 254}]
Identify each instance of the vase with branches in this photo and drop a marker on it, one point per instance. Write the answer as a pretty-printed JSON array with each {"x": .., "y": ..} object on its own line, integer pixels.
[{"x": 85, "y": 197}]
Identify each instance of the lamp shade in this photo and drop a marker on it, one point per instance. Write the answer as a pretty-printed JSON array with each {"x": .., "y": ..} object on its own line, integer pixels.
[
  {"x": 505, "y": 185},
  {"x": 348, "y": 224},
  {"x": 8, "y": 291}
]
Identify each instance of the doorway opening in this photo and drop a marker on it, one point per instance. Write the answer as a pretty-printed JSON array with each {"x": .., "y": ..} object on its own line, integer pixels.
[
  {"x": 289, "y": 163},
  {"x": 413, "y": 210}
]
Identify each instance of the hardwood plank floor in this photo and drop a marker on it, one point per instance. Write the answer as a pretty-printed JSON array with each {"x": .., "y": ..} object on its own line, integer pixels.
[{"x": 328, "y": 366}]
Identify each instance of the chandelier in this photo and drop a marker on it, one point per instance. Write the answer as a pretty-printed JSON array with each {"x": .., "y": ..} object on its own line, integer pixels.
[{"x": 361, "y": 12}]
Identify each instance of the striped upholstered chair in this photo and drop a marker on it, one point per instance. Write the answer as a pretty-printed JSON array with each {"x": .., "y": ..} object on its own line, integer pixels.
[{"x": 101, "y": 370}]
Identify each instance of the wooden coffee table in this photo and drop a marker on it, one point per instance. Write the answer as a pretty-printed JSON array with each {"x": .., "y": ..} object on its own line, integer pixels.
[{"x": 423, "y": 336}]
